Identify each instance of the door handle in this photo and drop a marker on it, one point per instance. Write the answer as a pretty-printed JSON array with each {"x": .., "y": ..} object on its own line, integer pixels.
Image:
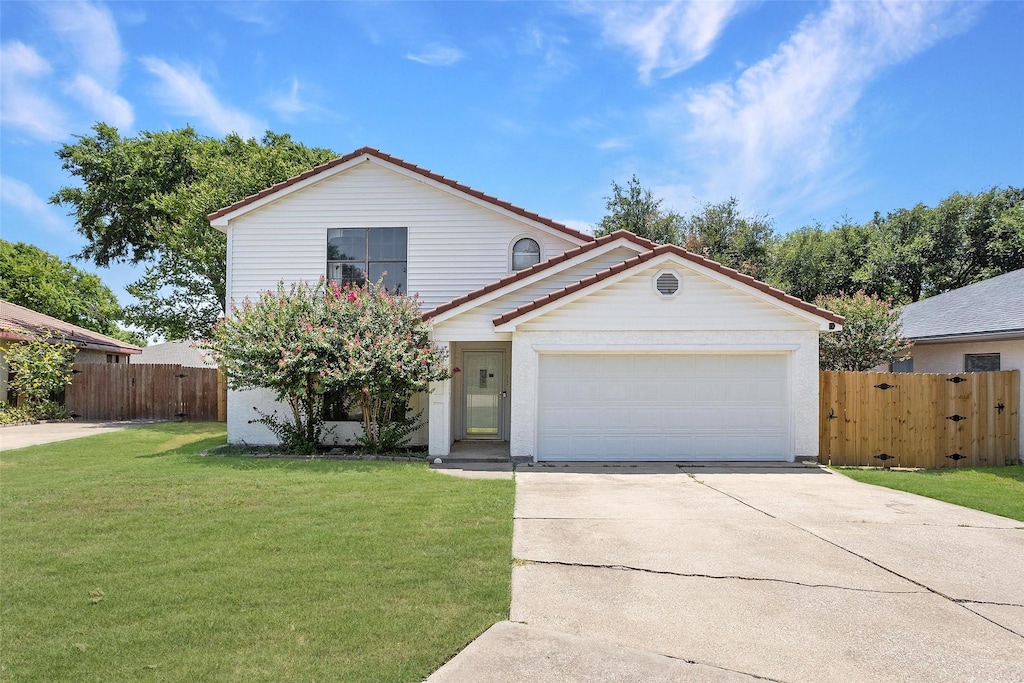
[{"x": 504, "y": 394}]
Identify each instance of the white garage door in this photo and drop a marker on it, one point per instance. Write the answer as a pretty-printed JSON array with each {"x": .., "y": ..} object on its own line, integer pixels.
[{"x": 664, "y": 407}]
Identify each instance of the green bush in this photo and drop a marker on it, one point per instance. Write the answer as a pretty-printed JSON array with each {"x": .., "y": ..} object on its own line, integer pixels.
[{"x": 12, "y": 415}]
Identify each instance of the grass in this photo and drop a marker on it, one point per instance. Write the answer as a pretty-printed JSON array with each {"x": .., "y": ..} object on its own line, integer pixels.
[
  {"x": 999, "y": 490},
  {"x": 129, "y": 557}
]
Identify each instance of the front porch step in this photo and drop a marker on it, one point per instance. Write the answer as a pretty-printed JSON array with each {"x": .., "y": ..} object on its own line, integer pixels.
[{"x": 469, "y": 458}]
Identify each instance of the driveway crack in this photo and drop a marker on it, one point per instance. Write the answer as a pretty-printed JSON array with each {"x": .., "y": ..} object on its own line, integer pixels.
[
  {"x": 955, "y": 601},
  {"x": 664, "y": 572}
]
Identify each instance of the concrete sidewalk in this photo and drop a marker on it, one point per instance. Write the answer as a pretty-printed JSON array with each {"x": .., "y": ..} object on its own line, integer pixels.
[
  {"x": 734, "y": 574},
  {"x": 20, "y": 436}
]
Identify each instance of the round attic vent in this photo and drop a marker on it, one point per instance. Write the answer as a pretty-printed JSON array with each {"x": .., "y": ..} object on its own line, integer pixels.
[{"x": 667, "y": 283}]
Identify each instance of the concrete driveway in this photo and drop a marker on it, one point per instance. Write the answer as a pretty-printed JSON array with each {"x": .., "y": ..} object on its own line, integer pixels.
[
  {"x": 663, "y": 573},
  {"x": 20, "y": 436}
]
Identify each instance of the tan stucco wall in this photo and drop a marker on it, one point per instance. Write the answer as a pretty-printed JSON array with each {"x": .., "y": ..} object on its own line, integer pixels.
[{"x": 949, "y": 357}]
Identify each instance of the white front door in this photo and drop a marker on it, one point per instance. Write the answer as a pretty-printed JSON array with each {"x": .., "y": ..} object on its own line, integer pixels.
[
  {"x": 699, "y": 406},
  {"x": 483, "y": 385}
]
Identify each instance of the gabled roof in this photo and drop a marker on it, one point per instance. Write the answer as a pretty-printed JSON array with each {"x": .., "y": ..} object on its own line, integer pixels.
[
  {"x": 991, "y": 307},
  {"x": 655, "y": 251},
  {"x": 538, "y": 268},
  {"x": 387, "y": 158},
  {"x": 20, "y": 323}
]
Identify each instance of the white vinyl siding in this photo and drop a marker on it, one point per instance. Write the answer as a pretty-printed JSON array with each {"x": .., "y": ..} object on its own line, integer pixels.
[
  {"x": 476, "y": 323},
  {"x": 455, "y": 245},
  {"x": 701, "y": 304},
  {"x": 708, "y": 406}
]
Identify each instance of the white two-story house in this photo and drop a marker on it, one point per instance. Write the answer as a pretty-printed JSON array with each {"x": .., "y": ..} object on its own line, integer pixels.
[{"x": 567, "y": 347}]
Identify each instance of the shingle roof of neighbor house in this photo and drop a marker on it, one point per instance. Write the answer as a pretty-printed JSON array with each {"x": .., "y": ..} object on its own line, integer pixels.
[
  {"x": 19, "y": 323},
  {"x": 991, "y": 307},
  {"x": 181, "y": 352},
  {"x": 383, "y": 156}
]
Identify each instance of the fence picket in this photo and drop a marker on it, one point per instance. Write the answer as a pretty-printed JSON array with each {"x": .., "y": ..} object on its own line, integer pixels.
[
  {"x": 911, "y": 420},
  {"x": 114, "y": 391}
]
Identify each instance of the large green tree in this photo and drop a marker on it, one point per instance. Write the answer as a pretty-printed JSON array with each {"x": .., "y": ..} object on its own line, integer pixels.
[
  {"x": 814, "y": 261},
  {"x": 144, "y": 199},
  {"x": 36, "y": 279},
  {"x": 721, "y": 232},
  {"x": 872, "y": 334},
  {"x": 637, "y": 210}
]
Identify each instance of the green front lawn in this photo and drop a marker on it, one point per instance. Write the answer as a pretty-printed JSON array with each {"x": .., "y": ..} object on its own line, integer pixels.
[
  {"x": 999, "y": 490},
  {"x": 129, "y": 557}
]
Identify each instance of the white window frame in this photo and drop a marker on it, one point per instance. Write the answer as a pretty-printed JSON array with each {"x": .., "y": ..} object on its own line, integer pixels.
[{"x": 512, "y": 246}]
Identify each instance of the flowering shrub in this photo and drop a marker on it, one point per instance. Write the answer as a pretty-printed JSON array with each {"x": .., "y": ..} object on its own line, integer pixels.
[
  {"x": 872, "y": 334},
  {"x": 310, "y": 339},
  {"x": 40, "y": 368}
]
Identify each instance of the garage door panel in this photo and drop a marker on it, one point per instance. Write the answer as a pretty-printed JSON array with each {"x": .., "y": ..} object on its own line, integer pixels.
[{"x": 664, "y": 407}]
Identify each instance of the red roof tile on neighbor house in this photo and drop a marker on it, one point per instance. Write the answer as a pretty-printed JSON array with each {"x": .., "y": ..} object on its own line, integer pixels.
[
  {"x": 536, "y": 268},
  {"x": 20, "y": 323},
  {"x": 465, "y": 189},
  {"x": 658, "y": 250}
]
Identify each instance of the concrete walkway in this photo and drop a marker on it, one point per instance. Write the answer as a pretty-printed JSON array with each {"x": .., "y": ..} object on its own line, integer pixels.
[
  {"x": 20, "y": 436},
  {"x": 664, "y": 573}
]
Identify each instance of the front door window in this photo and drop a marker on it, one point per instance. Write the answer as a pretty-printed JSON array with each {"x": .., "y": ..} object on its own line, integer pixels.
[{"x": 483, "y": 385}]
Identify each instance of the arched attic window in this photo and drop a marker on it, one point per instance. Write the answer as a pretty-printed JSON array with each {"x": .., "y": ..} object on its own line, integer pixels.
[{"x": 525, "y": 253}]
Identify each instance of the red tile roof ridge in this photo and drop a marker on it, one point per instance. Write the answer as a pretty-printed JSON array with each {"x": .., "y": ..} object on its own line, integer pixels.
[
  {"x": 643, "y": 257},
  {"x": 465, "y": 189}
]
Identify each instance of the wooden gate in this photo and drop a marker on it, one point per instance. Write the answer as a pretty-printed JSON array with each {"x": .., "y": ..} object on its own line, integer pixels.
[
  {"x": 116, "y": 391},
  {"x": 919, "y": 420}
]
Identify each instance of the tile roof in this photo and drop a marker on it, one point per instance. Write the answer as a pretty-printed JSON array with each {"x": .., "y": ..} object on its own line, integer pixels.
[
  {"x": 465, "y": 189},
  {"x": 992, "y": 306},
  {"x": 537, "y": 268},
  {"x": 658, "y": 250},
  {"x": 18, "y": 322}
]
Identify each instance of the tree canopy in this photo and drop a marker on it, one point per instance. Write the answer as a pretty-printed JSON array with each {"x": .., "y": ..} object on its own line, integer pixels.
[
  {"x": 145, "y": 199},
  {"x": 36, "y": 279},
  {"x": 902, "y": 256}
]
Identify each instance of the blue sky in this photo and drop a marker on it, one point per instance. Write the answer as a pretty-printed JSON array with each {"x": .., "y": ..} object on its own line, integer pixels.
[{"x": 805, "y": 111}]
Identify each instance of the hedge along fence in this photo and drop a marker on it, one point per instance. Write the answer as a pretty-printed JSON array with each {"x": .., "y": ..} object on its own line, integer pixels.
[
  {"x": 127, "y": 391},
  {"x": 920, "y": 420}
]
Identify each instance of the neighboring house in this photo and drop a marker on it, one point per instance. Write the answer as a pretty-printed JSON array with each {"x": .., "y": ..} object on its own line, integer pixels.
[
  {"x": 18, "y": 323},
  {"x": 976, "y": 328},
  {"x": 972, "y": 329},
  {"x": 568, "y": 347},
  {"x": 183, "y": 352}
]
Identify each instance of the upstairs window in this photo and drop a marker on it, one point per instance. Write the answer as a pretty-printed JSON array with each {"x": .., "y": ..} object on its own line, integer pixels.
[
  {"x": 525, "y": 253},
  {"x": 358, "y": 255}
]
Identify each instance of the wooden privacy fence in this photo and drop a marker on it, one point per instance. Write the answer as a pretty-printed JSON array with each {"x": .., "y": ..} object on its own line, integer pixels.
[
  {"x": 906, "y": 419},
  {"x": 116, "y": 391}
]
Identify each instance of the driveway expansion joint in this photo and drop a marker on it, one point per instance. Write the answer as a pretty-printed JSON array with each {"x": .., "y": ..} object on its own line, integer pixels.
[{"x": 687, "y": 575}]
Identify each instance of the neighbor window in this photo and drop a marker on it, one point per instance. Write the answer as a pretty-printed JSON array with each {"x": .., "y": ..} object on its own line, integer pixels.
[
  {"x": 903, "y": 365},
  {"x": 981, "y": 362},
  {"x": 525, "y": 253},
  {"x": 355, "y": 255}
]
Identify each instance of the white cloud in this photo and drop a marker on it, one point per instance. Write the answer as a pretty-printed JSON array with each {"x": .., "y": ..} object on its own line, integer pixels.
[
  {"x": 91, "y": 33},
  {"x": 437, "y": 55},
  {"x": 106, "y": 104},
  {"x": 290, "y": 104},
  {"x": 90, "y": 30},
  {"x": 23, "y": 102},
  {"x": 16, "y": 194},
  {"x": 667, "y": 38},
  {"x": 781, "y": 127},
  {"x": 184, "y": 90}
]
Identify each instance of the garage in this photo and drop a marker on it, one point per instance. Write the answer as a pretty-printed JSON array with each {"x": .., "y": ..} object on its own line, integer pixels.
[{"x": 664, "y": 406}]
